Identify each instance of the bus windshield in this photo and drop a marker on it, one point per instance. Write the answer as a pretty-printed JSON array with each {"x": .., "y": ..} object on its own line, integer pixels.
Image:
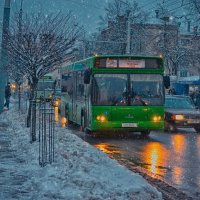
[
  {"x": 45, "y": 85},
  {"x": 127, "y": 89}
]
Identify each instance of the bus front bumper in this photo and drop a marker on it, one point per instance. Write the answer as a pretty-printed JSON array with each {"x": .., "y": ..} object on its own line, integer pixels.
[{"x": 132, "y": 126}]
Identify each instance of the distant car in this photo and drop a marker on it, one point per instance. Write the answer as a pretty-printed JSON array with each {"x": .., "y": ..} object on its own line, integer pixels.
[
  {"x": 180, "y": 112},
  {"x": 57, "y": 98}
]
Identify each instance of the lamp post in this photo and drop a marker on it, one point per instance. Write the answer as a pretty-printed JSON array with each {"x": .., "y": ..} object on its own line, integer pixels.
[
  {"x": 165, "y": 19},
  {"x": 4, "y": 58}
]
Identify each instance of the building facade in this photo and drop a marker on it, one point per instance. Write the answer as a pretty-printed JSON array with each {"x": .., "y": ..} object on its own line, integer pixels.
[{"x": 179, "y": 49}]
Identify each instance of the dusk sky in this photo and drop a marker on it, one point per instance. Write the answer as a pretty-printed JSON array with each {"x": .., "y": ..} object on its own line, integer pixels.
[{"x": 86, "y": 11}]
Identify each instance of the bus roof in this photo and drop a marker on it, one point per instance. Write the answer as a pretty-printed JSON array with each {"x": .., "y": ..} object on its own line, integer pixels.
[{"x": 88, "y": 62}]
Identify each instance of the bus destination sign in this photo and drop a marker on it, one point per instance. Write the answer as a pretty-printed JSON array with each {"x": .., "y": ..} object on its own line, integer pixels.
[{"x": 128, "y": 63}]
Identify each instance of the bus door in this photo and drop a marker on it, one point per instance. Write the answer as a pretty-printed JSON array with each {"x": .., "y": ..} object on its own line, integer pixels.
[{"x": 88, "y": 104}]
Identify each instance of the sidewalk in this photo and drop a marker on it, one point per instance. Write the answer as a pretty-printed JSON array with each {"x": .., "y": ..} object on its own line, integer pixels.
[{"x": 79, "y": 172}]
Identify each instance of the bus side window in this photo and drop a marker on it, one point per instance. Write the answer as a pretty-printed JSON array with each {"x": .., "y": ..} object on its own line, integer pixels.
[
  {"x": 66, "y": 84},
  {"x": 80, "y": 86},
  {"x": 80, "y": 89}
]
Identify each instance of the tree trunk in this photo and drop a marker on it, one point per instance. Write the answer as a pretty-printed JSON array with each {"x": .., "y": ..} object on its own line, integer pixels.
[
  {"x": 19, "y": 96},
  {"x": 33, "y": 88}
]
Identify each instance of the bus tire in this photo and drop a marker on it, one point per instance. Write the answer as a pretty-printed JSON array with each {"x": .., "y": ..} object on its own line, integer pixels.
[
  {"x": 88, "y": 132},
  {"x": 82, "y": 123},
  {"x": 67, "y": 115},
  {"x": 197, "y": 129},
  {"x": 145, "y": 133}
]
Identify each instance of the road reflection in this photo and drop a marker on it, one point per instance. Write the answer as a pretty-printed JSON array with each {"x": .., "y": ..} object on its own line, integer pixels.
[
  {"x": 56, "y": 114},
  {"x": 178, "y": 148},
  {"x": 155, "y": 155},
  {"x": 109, "y": 149},
  {"x": 174, "y": 157}
]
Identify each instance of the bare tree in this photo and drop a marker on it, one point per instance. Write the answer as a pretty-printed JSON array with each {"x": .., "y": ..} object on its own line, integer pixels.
[
  {"x": 194, "y": 8},
  {"x": 39, "y": 43},
  {"x": 113, "y": 38},
  {"x": 193, "y": 18}
]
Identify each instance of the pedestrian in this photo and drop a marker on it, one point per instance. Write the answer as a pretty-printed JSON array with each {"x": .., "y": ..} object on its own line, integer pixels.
[
  {"x": 172, "y": 91},
  {"x": 7, "y": 95}
]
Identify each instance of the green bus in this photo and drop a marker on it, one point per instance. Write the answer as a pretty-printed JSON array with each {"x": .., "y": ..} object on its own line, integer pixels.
[{"x": 114, "y": 93}]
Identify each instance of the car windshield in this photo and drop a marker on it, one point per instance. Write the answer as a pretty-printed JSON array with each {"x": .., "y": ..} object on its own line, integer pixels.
[
  {"x": 183, "y": 103},
  {"x": 127, "y": 89}
]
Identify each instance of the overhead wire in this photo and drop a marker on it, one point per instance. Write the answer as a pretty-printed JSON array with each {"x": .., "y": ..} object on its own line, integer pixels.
[
  {"x": 167, "y": 4},
  {"x": 181, "y": 6},
  {"x": 83, "y": 3}
]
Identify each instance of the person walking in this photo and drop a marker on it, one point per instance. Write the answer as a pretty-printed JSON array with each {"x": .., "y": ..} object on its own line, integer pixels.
[{"x": 7, "y": 95}]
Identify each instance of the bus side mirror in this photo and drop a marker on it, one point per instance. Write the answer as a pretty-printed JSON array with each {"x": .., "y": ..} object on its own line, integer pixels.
[
  {"x": 166, "y": 80},
  {"x": 86, "y": 77}
]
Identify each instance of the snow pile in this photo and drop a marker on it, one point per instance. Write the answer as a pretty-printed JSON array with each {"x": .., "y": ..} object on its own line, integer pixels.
[{"x": 80, "y": 171}]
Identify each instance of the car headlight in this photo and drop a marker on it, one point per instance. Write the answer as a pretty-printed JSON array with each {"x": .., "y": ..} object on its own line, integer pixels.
[{"x": 178, "y": 117}]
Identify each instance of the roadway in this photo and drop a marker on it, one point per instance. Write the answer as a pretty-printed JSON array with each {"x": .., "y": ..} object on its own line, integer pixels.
[{"x": 171, "y": 157}]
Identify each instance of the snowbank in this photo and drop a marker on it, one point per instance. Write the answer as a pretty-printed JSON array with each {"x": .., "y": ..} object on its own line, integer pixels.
[{"x": 80, "y": 171}]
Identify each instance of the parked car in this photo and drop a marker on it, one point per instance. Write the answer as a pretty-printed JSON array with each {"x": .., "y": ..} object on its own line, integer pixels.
[{"x": 180, "y": 112}]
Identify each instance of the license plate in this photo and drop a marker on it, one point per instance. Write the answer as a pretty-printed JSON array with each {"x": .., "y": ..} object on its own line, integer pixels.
[
  {"x": 126, "y": 125},
  {"x": 193, "y": 121}
]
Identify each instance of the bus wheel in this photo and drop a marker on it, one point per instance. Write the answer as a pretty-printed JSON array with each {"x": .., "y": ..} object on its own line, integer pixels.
[
  {"x": 82, "y": 123},
  {"x": 197, "y": 129},
  {"x": 88, "y": 132},
  {"x": 145, "y": 133}
]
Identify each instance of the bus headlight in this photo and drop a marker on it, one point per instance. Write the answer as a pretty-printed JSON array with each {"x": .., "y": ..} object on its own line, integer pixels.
[
  {"x": 156, "y": 118},
  {"x": 101, "y": 118}
]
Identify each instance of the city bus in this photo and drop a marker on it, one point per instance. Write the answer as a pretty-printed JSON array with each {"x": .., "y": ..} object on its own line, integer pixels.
[
  {"x": 114, "y": 93},
  {"x": 46, "y": 87}
]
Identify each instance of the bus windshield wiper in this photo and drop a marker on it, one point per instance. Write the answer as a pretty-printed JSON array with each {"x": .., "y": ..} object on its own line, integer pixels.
[{"x": 139, "y": 99}]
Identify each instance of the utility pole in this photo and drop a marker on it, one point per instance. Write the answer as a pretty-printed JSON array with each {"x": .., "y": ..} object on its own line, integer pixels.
[
  {"x": 128, "y": 32},
  {"x": 19, "y": 76},
  {"x": 128, "y": 44},
  {"x": 4, "y": 57}
]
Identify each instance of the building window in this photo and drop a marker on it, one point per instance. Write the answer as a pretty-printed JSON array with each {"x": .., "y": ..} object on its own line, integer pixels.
[
  {"x": 183, "y": 73},
  {"x": 186, "y": 42}
]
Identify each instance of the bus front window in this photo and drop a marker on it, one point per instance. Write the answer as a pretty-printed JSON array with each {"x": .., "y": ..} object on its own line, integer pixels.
[
  {"x": 127, "y": 89},
  {"x": 108, "y": 89},
  {"x": 45, "y": 85},
  {"x": 146, "y": 89}
]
